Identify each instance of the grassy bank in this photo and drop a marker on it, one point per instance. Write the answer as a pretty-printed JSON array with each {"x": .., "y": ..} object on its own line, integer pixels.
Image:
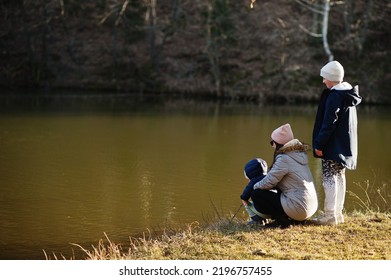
[{"x": 363, "y": 236}]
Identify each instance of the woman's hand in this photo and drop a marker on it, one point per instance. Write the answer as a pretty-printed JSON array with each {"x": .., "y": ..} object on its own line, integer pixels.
[{"x": 245, "y": 202}]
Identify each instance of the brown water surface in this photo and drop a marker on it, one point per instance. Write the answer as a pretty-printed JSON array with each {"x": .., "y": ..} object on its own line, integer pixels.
[{"x": 71, "y": 173}]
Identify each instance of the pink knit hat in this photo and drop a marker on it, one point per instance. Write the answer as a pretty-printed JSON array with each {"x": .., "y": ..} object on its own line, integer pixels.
[{"x": 283, "y": 134}]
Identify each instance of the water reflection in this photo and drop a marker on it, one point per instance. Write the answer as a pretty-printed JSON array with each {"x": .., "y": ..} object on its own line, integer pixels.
[{"x": 71, "y": 174}]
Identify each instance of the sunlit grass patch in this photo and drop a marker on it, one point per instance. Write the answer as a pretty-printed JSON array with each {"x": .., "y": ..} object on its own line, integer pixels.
[
  {"x": 362, "y": 236},
  {"x": 365, "y": 235}
]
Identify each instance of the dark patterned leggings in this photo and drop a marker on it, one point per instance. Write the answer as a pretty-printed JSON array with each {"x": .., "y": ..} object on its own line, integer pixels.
[{"x": 334, "y": 185}]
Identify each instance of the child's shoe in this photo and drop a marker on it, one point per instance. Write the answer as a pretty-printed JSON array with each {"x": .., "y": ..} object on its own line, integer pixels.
[
  {"x": 253, "y": 223},
  {"x": 256, "y": 220},
  {"x": 325, "y": 219},
  {"x": 281, "y": 221}
]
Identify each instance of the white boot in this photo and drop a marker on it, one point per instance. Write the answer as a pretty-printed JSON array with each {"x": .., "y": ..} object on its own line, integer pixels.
[{"x": 325, "y": 219}]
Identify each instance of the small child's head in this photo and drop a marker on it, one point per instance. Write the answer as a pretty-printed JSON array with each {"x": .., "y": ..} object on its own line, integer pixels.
[{"x": 255, "y": 168}]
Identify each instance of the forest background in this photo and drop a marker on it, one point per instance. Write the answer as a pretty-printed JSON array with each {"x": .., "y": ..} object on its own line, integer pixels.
[{"x": 240, "y": 49}]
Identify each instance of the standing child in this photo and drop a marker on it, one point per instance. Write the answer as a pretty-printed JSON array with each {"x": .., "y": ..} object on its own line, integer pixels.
[
  {"x": 255, "y": 170},
  {"x": 334, "y": 139}
]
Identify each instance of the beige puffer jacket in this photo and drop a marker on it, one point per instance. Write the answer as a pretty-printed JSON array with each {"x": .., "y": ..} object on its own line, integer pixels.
[{"x": 290, "y": 174}]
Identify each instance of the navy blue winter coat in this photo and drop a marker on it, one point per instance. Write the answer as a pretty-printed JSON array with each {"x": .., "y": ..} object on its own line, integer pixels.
[
  {"x": 335, "y": 128},
  {"x": 250, "y": 187}
]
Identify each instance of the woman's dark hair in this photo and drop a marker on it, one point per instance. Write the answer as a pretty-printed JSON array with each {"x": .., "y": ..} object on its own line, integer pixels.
[{"x": 276, "y": 152}]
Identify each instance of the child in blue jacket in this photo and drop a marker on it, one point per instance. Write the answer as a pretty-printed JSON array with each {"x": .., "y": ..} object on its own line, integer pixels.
[
  {"x": 335, "y": 139},
  {"x": 255, "y": 170}
]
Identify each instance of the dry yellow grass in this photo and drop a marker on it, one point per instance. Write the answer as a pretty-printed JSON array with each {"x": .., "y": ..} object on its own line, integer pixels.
[{"x": 362, "y": 237}]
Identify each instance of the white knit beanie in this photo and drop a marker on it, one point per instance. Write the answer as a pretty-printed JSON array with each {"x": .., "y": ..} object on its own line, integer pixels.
[
  {"x": 283, "y": 134},
  {"x": 332, "y": 71}
]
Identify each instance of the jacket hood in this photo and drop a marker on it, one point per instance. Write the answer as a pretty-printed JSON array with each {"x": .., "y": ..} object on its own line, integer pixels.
[
  {"x": 255, "y": 168},
  {"x": 352, "y": 97},
  {"x": 343, "y": 86},
  {"x": 296, "y": 150}
]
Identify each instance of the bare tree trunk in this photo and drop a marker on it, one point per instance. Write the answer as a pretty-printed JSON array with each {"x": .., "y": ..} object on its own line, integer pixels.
[
  {"x": 326, "y": 11},
  {"x": 356, "y": 29},
  {"x": 151, "y": 19},
  {"x": 114, "y": 39},
  {"x": 362, "y": 36},
  {"x": 212, "y": 51},
  {"x": 44, "y": 67},
  {"x": 175, "y": 8},
  {"x": 315, "y": 19},
  {"x": 347, "y": 17}
]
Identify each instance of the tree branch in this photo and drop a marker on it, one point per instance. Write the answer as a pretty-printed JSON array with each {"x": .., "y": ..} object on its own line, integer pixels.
[{"x": 312, "y": 7}]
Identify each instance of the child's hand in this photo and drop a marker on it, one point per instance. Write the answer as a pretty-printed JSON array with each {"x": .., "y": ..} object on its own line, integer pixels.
[
  {"x": 245, "y": 202},
  {"x": 319, "y": 153}
]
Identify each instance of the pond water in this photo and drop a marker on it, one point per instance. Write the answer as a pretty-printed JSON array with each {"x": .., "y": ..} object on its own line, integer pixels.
[{"x": 73, "y": 169}]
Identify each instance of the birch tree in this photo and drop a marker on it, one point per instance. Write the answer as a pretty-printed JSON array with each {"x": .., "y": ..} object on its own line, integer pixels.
[
  {"x": 324, "y": 11},
  {"x": 325, "y": 24}
]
